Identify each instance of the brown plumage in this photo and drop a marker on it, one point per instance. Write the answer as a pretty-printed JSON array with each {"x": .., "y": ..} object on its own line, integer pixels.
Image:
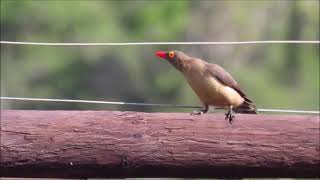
[{"x": 212, "y": 84}]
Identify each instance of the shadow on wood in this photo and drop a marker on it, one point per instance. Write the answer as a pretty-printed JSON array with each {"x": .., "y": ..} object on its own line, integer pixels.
[{"x": 95, "y": 144}]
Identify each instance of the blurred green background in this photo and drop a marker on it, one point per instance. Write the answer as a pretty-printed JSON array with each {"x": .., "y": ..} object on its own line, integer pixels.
[{"x": 272, "y": 75}]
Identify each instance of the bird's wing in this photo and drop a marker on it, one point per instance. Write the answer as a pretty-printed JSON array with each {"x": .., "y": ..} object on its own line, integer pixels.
[{"x": 225, "y": 78}]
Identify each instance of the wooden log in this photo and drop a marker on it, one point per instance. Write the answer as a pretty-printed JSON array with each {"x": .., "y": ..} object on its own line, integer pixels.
[{"x": 110, "y": 144}]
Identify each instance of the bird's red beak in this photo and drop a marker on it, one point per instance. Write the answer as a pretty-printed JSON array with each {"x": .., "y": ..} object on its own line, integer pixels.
[{"x": 161, "y": 54}]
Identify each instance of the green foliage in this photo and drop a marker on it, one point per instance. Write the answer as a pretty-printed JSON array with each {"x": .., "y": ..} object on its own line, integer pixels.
[{"x": 274, "y": 76}]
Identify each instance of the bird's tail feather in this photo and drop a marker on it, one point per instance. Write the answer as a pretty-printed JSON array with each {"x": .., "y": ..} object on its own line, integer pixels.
[{"x": 247, "y": 107}]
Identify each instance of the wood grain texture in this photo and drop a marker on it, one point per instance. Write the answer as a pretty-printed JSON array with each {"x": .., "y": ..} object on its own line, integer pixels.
[{"x": 81, "y": 144}]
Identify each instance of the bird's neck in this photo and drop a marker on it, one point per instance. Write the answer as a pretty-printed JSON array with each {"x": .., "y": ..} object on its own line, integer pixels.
[
  {"x": 182, "y": 64},
  {"x": 188, "y": 66}
]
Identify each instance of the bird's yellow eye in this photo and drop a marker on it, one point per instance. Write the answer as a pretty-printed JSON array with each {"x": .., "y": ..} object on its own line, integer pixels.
[{"x": 171, "y": 54}]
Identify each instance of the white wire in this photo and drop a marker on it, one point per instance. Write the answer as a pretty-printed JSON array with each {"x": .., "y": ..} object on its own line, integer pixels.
[
  {"x": 288, "y": 111},
  {"x": 96, "y": 102},
  {"x": 155, "y": 43},
  {"x": 162, "y": 43},
  {"x": 146, "y": 104}
]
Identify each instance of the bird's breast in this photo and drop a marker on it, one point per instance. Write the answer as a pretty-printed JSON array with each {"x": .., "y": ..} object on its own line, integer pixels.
[{"x": 211, "y": 91}]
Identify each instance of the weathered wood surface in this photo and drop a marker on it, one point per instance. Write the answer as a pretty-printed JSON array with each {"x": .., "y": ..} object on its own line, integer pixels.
[{"x": 80, "y": 144}]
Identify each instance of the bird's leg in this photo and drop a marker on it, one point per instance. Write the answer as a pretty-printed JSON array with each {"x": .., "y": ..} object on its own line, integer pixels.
[
  {"x": 229, "y": 115},
  {"x": 202, "y": 111}
]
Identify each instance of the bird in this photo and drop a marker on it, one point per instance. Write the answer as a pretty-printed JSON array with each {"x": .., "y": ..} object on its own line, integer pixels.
[{"x": 213, "y": 85}]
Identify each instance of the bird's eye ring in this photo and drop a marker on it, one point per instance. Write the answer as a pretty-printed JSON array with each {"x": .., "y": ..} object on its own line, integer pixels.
[{"x": 171, "y": 54}]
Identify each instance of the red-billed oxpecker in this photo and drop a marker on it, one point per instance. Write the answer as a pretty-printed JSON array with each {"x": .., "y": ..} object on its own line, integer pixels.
[{"x": 212, "y": 84}]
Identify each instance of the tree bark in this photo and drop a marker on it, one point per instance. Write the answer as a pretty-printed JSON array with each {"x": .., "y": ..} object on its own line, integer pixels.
[{"x": 111, "y": 144}]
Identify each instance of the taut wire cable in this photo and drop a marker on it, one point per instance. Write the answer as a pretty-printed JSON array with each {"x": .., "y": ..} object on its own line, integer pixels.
[
  {"x": 146, "y": 104},
  {"x": 155, "y": 43},
  {"x": 162, "y": 43}
]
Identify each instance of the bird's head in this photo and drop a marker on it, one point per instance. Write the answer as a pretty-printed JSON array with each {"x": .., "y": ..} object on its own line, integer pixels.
[{"x": 174, "y": 57}]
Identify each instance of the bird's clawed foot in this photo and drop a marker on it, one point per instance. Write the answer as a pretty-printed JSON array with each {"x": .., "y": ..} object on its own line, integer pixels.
[
  {"x": 230, "y": 116},
  {"x": 202, "y": 111},
  {"x": 197, "y": 112}
]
